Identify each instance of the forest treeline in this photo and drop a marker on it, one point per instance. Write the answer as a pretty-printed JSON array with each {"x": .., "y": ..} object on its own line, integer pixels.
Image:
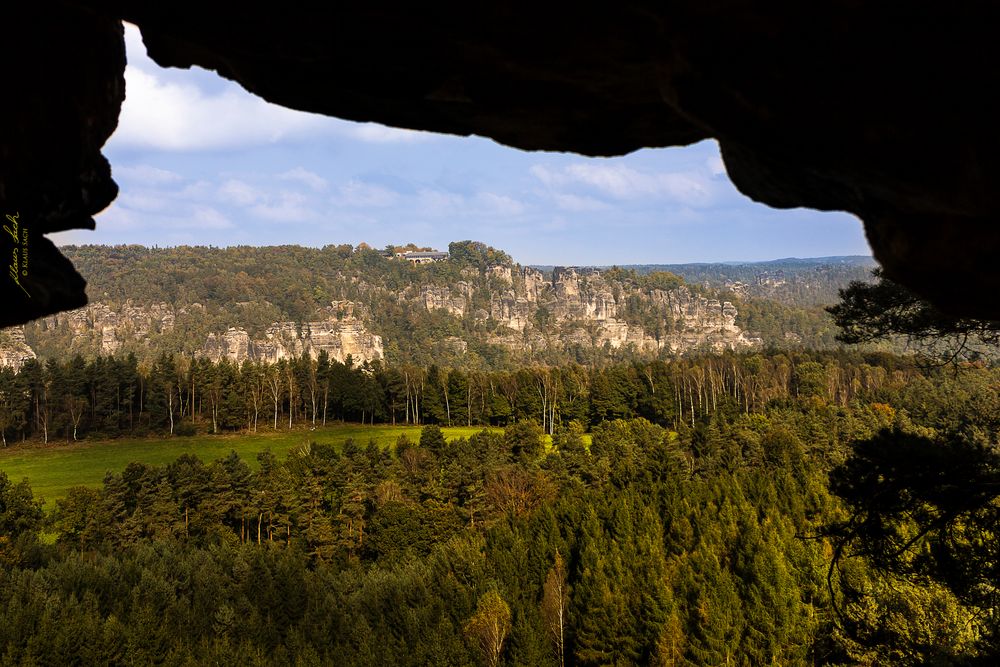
[
  {"x": 113, "y": 396},
  {"x": 703, "y": 539}
]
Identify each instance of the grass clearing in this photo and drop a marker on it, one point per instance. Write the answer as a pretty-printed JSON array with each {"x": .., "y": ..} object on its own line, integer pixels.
[{"x": 52, "y": 469}]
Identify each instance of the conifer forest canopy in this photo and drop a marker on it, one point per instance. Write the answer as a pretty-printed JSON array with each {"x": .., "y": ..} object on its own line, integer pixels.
[{"x": 882, "y": 112}]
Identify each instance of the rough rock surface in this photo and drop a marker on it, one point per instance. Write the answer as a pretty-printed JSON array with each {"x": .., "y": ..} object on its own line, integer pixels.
[
  {"x": 527, "y": 313},
  {"x": 440, "y": 298},
  {"x": 580, "y": 307},
  {"x": 13, "y": 350},
  {"x": 63, "y": 85},
  {"x": 99, "y": 329},
  {"x": 288, "y": 340},
  {"x": 340, "y": 339},
  {"x": 835, "y": 104},
  {"x": 681, "y": 320}
]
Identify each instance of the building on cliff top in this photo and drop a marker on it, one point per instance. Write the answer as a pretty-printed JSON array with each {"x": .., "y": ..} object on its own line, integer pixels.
[{"x": 423, "y": 257}]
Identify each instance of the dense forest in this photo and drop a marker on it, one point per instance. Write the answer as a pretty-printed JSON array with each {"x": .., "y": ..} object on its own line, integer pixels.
[
  {"x": 734, "y": 509},
  {"x": 758, "y": 508},
  {"x": 113, "y": 396}
]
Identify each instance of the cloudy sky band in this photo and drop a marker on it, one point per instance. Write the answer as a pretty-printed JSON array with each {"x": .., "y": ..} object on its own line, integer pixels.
[{"x": 200, "y": 160}]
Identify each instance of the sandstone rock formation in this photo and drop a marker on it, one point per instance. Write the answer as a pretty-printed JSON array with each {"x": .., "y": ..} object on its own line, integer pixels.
[
  {"x": 99, "y": 329},
  {"x": 288, "y": 340},
  {"x": 440, "y": 298},
  {"x": 233, "y": 345},
  {"x": 502, "y": 274},
  {"x": 518, "y": 308},
  {"x": 13, "y": 350},
  {"x": 580, "y": 307}
]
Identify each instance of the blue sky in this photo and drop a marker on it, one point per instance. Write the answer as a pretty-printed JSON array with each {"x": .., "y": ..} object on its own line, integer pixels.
[{"x": 201, "y": 161}]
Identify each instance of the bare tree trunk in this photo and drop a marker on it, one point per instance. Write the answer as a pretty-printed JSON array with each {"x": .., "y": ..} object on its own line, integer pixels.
[
  {"x": 312, "y": 396},
  {"x": 170, "y": 411},
  {"x": 691, "y": 399},
  {"x": 406, "y": 388},
  {"x": 447, "y": 405}
]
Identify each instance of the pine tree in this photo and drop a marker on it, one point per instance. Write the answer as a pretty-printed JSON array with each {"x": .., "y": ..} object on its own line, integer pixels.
[{"x": 432, "y": 439}]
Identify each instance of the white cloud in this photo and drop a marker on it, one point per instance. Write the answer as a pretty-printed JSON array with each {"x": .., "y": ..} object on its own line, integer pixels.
[
  {"x": 360, "y": 194},
  {"x": 547, "y": 176},
  {"x": 616, "y": 180},
  {"x": 285, "y": 207},
  {"x": 313, "y": 180},
  {"x": 437, "y": 202},
  {"x": 115, "y": 218},
  {"x": 625, "y": 183},
  {"x": 206, "y": 217},
  {"x": 147, "y": 174},
  {"x": 201, "y": 189},
  {"x": 383, "y": 134},
  {"x": 494, "y": 204},
  {"x": 716, "y": 166},
  {"x": 142, "y": 201},
  {"x": 235, "y": 191},
  {"x": 130, "y": 214},
  {"x": 176, "y": 117},
  {"x": 568, "y": 202},
  {"x": 133, "y": 40},
  {"x": 213, "y": 206},
  {"x": 162, "y": 111}
]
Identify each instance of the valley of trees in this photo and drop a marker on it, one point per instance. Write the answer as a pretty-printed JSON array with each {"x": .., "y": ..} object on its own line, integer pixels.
[
  {"x": 733, "y": 509},
  {"x": 783, "y": 507}
]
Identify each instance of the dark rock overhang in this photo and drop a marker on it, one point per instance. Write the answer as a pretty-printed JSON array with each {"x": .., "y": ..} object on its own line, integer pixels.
[{"x": 882, "y": 111}]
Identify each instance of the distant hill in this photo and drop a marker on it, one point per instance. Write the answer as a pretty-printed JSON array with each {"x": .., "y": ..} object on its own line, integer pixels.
[
  {"x": 793, "y": 281},
  {"x": 474, "y": 306}
]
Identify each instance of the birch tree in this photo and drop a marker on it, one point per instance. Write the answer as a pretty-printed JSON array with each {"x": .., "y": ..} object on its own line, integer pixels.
[{"x": 489, "y": 627}]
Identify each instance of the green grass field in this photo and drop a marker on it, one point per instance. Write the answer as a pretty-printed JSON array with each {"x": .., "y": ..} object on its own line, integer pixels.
[{"x": 54, "y": 468}]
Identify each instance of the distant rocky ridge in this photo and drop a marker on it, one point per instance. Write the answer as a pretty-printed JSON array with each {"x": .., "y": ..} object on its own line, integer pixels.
[
  {"x": 520, "y": 309},
  {"x": 340, "y": 336},
  {"x": 795, "y": 282},
  {"x": 13, "y": 350},
  {"x": 97, "y": 329},
  {"x": 581, "y": 306}
]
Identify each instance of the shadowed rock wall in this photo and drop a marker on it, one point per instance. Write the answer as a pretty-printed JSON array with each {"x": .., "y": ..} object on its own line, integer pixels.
[
  {"x": 62, "y": 87},
  {"x": 883, "y": 111}
]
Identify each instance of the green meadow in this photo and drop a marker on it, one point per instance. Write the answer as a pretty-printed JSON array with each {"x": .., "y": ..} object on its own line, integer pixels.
[{"x": 52, "y": 469}]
